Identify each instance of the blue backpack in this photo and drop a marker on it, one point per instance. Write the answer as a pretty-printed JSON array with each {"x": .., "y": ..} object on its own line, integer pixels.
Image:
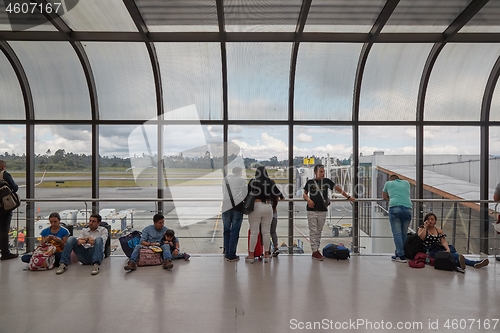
[
  {"x": 339, "y": 252},
  {"x": 128, "y": 242}
]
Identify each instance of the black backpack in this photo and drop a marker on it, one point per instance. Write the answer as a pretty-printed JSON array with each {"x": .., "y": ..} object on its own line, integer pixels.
[
  {"x": 445, "y": 261},
  {"x": 334, "y": 251},
  {"x": 413, "y": 246}
]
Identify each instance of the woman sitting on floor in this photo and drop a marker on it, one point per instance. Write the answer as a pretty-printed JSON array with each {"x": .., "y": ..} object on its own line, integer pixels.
[
  {"x": 56, "y": 235},
  {"x": 435, "y": 240}
]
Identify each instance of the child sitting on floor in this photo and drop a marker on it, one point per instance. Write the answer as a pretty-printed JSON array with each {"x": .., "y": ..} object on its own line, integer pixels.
[{"x": 170, "y": 239}]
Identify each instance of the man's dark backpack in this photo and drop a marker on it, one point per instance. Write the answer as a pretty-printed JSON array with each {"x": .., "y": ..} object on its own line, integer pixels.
[
  {"x": 8, "y": 200},
  {"x": 413, "y": 246},
  {"x": 334, "y": 251},
  {"x": 445, "y": 261}
]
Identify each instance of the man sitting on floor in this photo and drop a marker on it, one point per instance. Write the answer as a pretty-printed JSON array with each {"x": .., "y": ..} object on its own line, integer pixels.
[
  {"x": 88, "y": 247},
  {"x": 153, "y": 235}
]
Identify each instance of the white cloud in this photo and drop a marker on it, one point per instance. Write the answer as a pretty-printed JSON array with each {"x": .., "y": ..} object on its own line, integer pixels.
[{"x": 302, "y": 137}]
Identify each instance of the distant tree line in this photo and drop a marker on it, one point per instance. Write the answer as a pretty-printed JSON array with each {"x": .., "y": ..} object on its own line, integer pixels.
[{"x": 67, "y": 161}]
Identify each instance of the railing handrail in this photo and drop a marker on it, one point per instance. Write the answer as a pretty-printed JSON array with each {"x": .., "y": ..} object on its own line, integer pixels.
[{"x": 218, "y": 199}]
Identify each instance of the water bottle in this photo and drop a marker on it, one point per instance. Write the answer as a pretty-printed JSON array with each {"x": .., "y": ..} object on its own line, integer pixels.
[{"x": 427, "y": 257}]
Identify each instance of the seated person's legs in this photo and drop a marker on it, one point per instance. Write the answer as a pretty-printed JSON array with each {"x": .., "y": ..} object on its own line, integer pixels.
[
  {"x": 98, "y": 251},
  {"x": 26, "y": 258}
]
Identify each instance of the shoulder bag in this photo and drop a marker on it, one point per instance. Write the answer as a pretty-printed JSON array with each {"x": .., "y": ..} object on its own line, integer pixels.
[{"x": 325, "y": 202}]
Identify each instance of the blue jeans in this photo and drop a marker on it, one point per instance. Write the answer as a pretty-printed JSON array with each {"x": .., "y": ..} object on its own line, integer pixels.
[
  {"x": 166, "y": 254},
  {"x": 232, "y": 220},
  {"x": 468, "y": 262},
  {"x": 400, "y": 218},
  {"x": 86, "y": 256}
]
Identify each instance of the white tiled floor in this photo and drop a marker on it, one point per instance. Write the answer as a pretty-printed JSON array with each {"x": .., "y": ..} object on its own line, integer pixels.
[{"x": 209, "y": 294}]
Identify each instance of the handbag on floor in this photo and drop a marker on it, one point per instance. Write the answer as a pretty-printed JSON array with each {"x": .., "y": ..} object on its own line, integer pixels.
[
  {"x": 149, "y": 258},
  {"x": 43, "y": 258}
]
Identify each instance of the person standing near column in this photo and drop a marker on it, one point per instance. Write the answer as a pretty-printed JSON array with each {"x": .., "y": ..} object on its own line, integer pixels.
[
  {"x": 234, "y": 190},
  {"x": 6, "y": 218},
  {"x": 397, "y": 192},
  {"x": 316, "y": 195},
  {"x": 496, "y": 197}
]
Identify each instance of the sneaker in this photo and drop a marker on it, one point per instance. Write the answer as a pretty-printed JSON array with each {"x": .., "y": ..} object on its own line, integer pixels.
[
  {"x": 186, "y": 256},
  {"x": 95, "y": 270},
  {"x": 62, "y": 268},
  {"x": 317, "y": 256},
  {"x": 267, "y": 259},
  {"x": 9, "y": 256},
  {"x": 399, "y": 259},
  {"x": 482, "y": 263},
  {"x": 249, "y": 260},
  {"x": 167, "y": 264},
  {"x": 461, "y": 261},
  {"x": 232, "y": 259},
  {"x": 276, "y": 252},
  {"x": 130, "y": 266}
]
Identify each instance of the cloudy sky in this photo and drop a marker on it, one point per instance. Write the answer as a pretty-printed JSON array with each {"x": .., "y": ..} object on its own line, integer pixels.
[
  {"x": 259, "y": 142},
  {"x": 258, "y": 83}
]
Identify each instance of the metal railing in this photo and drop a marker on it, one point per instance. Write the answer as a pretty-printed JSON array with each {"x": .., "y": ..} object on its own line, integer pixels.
[{"x": 364, "y": 226}]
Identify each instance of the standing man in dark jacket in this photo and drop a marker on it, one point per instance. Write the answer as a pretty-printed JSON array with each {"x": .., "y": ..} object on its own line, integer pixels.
[
  {"x": 6, "y": 218},
  {"x": 317, "y": 197}
]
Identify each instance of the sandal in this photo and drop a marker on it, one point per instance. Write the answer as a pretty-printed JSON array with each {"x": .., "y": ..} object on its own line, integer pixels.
[{"x": 249, "y": 260}]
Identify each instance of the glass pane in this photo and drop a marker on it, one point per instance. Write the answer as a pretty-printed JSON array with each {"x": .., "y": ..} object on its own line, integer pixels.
[
  {"x": 267, "y": 146},
  {"x": 179, "y": 15},
  {"x": 451, "y": 164},
  {"x": 332, "y": 147},
  {"x": 258, "y": 77},
  {"x": 64, "y": 154},
  {"x": 191, "y": 74},
  {"x": 486, "y": 20},
  {"x": 124, "y": 80},
  {"x": 495, "y": 104},
  {"x": 343, "y": 15},
  {"x": 424, "y": 15},
  {"x": 98, "y": 15},
  {"x": 63, "y": 160},
  {"x": 118, "y": 179},
  {"x": 383, "y": 150},
  {"x": 391, "y": 80},
  {"x": 256, "y": 15},
  {"x": 323, "y": 88},
  {"x": 13, "y": 152},
  {"x": 11, "y": 96},
  {"x": 56, "y": 79},
  {"x": 494, "y": 161},
  {"x": 457, "y": 82},
  {"x": 193, "y": 170}
]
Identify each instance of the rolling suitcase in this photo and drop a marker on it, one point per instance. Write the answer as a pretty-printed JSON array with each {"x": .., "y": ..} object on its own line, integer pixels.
[{"x": 259, "y": 247}]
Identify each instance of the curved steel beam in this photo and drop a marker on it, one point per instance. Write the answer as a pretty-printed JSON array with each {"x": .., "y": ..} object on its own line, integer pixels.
[
  {"x": 377, "y": 27},
  {"x": 448, "y": 35}
]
